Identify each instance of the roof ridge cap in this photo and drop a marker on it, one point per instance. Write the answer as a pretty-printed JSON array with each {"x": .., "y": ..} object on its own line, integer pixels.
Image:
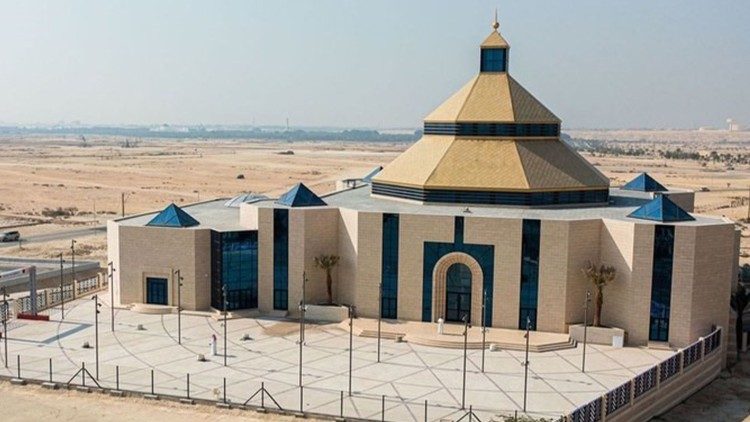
[{"x": 468, "y": 95}]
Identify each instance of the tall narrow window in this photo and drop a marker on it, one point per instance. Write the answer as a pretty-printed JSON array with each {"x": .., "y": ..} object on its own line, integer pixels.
[
  {"x": 529, "y": 273},
  {"x": 280, "y": 259},
  {"x": 389, "y": 299},
  {"x": 661, "y": 283},
  {"x": 234, "y": 264}
]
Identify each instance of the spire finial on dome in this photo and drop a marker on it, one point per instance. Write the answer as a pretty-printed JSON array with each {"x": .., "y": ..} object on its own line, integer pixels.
[{"x": 495, "y": 23}]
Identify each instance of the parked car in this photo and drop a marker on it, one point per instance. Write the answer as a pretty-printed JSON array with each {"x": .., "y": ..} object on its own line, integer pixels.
[{"x": 10, "y": 236}]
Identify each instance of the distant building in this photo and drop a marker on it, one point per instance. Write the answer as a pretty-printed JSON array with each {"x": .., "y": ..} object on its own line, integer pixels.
[{"x": 488, "y": 204}]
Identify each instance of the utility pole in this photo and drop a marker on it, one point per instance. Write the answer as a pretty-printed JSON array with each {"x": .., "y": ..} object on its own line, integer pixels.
[
  {"x": 177, "y": 274},
  {"x": 585, "y": 328},
  {"x": 380, "y": 314},
  {"x": 224, "y": 298},
  {"x": 6, "y": 313},
  {"x": 62, "y": 288},
  {"x": 111, "y": 279},
  {"x": 97, "y": 305},
  {"x": 466, "y": 338},
  {"x": 526, "y": 363}
]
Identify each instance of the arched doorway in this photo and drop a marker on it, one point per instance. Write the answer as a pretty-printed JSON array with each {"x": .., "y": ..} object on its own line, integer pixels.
[
  {"x": 458, "y": 292},
  {"x": 465, "y": 291}
]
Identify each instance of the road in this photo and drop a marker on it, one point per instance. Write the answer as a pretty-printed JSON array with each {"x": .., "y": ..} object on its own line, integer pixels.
[{"x": 61, "y": 235}]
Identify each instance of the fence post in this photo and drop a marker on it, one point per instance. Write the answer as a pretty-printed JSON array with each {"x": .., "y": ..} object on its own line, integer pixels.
[
  {"x": 341, "y": 404},
  {"x": 263, "y": 395},
  {"x": 188, "y": 385},
  {"x": 117, "y": 377},
  {"x": 658, "y": 375},
  {"x": 632, "y": 392},
  {"x": 18, "y": 365},
  {"x": 225, "y": 390},
  {"x": 50, "y": 369},
  {"x": 680, "y": 361},
  {"x": 425, "y": 411},
  {"x": 382, "y": 408},
  {"x": 152, "y": 383},
  {"x": 83, "y": 373},
  {"x": 603, "y": 410},
  {"x": 471, "y": 413}
]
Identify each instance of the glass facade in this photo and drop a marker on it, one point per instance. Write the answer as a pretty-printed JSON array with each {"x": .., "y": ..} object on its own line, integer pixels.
[
  {"x": 280, "y": 259},
  {"x": 515, "y": 130},
  {"x": 661, "y": 283},
  {"x": 433, "y": 251},
  {"x": 493, "y": 60},
  {"x": 389, "y": 274},
  {"x": 594, "y": 196},
  {"x": 529, "y": 273},
  {"x": 234, "y": 263},
  {"x": 458, "y": 293}
]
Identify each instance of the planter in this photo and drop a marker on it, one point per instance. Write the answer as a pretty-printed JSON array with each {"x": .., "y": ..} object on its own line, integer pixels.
[
  {"x": 326, "y": 313},
  {"x": 610, "y": 336}
]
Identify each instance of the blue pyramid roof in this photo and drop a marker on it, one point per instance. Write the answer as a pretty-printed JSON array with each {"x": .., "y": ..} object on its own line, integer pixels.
[
  {"x": 300, "y": 196},
  {"x": 645, "y": 183},
  {"x": 661, "y": 209},
  {"x": 173, "y": 216}
]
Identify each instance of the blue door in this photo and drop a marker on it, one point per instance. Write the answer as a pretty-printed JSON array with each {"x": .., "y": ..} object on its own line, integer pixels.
[
  {"x": 156, "y": 291},
  {"x": 458, "y": 293}
]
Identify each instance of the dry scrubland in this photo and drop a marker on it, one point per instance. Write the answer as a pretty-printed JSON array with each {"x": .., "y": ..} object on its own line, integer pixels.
[{"x": 41, "y": 174}]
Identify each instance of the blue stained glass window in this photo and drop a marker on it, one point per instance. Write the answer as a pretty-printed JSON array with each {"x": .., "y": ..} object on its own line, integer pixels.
[
  {"x": 280, "y": 259},
  {"x": 234, "y": 263},
  {"x": 661, "y": 283},
  {"x": 493, "y": 60},
  {"x": 389, "y": 298},
  {"x": 529, "y": 273}
]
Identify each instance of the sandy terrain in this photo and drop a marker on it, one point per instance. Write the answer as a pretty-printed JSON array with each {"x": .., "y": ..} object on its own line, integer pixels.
[{"x": 32, "y": 403}]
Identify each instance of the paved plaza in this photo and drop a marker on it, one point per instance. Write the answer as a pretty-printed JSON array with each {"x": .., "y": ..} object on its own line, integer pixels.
[{"x": 407, "y": 375}]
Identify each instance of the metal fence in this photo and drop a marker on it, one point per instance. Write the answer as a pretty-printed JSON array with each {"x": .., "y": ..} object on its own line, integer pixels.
[
  {"x": 625, "y": 394},
  {"x": 48, "y": 298}
]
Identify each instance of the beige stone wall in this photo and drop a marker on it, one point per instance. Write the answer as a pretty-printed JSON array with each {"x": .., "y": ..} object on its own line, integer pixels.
[
  {"x": 249, "y": 216},
  {"x": 265, "y": 259},
  {"x": 583, "y": 246},
  {"x": 553, "y": 270},
  {"x": 348, "y": 242},
  {"x": 157, "y": 252},
  {"x": 505, "y": 236},
  {"x": 686, "y": 200},
  {"x": 714, "y": 278},
  {"x": 370, "y": 244},
  {"x": 629, "y": 248},
  {"x": 320, "y": 229},
  {"x": 414, "y": 230}
]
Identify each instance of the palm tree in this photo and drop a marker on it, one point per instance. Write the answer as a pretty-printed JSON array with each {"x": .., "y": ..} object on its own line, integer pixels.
[
  {"x": 327, "y": 262},
  {"x": 740, "y": 301},
  {"x": 600, "y": 276}
]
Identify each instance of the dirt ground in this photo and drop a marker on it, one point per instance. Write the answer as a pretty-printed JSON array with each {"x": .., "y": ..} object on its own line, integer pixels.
[{"x": 33, "y": 403}]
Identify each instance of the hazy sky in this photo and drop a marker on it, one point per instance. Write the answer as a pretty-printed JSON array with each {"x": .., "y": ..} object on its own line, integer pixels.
[{"x": 637, "y": 63}]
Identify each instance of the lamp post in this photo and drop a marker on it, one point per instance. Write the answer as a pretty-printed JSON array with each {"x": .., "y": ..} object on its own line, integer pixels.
[
  {"x": 302, "y": 309},
  {"x": 526, "y": 363},
  {"x": 224, "y": 300},
  {"x": 484, "y": 328},
  {"x": 97, "y": 305},
  {"x": 465, "y": 319},
  {"x": 351, "y": 343},
  {"x": 111, "y": 278},
  {"x": 585, "y": 329},
  {"x": 380, "y": 314},
  {"x": 6, "y": 312},
  {"x": 178, "y": 275},
  {"x": 62, "y": 291},
  {"x": 73, "y": 260}
]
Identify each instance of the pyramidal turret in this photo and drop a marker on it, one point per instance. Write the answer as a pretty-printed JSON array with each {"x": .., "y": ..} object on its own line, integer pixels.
[{"x": 492, "y": 142}]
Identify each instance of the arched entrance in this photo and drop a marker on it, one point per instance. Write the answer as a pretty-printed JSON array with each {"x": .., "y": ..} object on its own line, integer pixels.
[
  {"x": 458, "y": 292},
  {"x": 457, "y": 288}
]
